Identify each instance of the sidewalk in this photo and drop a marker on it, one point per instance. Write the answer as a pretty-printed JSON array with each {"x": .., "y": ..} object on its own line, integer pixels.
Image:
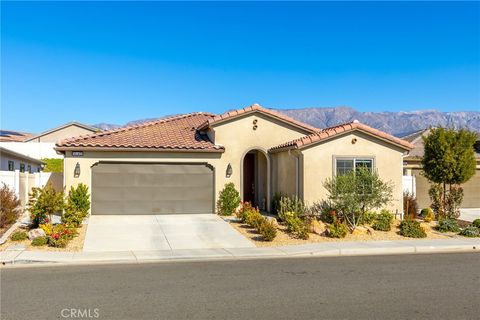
[{"x": 315, "y": 249}]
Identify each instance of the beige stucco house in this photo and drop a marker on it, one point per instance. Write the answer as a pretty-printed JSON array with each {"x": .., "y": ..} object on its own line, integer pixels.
[
  {"x": 67, "y": 130},
  {"x": 413, "y": 167},
  {"x": 179, "y": 164}
]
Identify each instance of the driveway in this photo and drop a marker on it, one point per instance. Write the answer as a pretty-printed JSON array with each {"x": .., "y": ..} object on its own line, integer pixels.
[{"x": 161, "y": 232}]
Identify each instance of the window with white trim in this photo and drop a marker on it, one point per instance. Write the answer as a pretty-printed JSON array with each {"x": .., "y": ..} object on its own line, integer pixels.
[
  {"x": 345, "y": 165},
  {"x": 11, "y": 165}
]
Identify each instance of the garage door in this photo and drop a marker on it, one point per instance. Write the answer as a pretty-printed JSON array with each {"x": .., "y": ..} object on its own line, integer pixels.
[{"x": 133, "y": 188}]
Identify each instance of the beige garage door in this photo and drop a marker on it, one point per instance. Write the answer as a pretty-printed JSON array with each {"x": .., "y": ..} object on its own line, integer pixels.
[{"x": 134, "y": 188}]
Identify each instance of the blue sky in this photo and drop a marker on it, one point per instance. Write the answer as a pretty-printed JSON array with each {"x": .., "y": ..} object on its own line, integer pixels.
[{"x": 116, "y": 62}]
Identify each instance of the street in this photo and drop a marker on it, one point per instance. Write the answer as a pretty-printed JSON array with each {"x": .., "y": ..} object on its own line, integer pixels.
[{"x": 436, "y": 286}]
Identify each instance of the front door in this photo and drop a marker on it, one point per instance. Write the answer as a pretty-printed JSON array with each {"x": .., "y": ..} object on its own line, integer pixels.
[{"x": 249, "y": 178}]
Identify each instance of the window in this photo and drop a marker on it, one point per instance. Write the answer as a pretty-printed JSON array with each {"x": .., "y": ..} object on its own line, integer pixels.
[
  {"x": 29, "y": 169},
  {"x": 345, "y": 165},
  {"x": 22, "y": 167},
  {"x": 10, "y": 165}
]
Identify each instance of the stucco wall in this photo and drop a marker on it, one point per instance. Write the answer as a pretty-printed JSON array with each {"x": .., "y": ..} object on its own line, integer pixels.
[
  {"x": 319, "y": 164},
  {"x": 237, "y": 137},
  {"x": 284, "y": 173},
  {"x": 68, "y": 132}
]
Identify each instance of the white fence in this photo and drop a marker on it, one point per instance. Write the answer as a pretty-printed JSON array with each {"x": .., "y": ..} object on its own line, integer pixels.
[
  {"x": 409, "y": 185},
  {"x": 23, "y": 182}
]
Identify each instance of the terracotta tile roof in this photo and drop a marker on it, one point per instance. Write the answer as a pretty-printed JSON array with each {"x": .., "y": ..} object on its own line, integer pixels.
[
  {"x": 332, "y": 131},
  {"x": 177, "y": 133},
  {"x": 257, "y": 108}
]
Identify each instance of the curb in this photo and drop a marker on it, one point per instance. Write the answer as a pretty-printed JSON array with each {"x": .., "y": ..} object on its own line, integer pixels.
[{"x": 79, "y": 258}]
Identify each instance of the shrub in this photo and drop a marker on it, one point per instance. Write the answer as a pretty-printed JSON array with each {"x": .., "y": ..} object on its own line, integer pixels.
[
  {"x": 19, "y": 236},
  {"x": 448, "y": 225},
  {"x": 228, "y": 200},
  {"x": 53, "y": 165},
  {"x": 58, "y": 235},
  {"x": 324, "y": 210},
  {"x": 291, "y": 205},
  {"x": 368, "y": 218},
  {"x": 44, "y": 202},
  {"x": 410, "y": 206},
  {"x": 268, "y": 230},
  {"x": 476, "y": 223},
  {"x": 244, "y": 210},
  {"x": 296, "y": 225},
  {"x": 276, "y": 202},
  {"x": 338, "y": 229},
  {"x": 412, "y": 229},
  {"x": 383, "y": 221},
  {"x": 427, "y": 214},
  {"x": 40, "y": 241},
  {"x": 57, "y": 242},
  {"x": 253, "y": 218},
  {"x": 78, "y": 204},
  {"x": 9, "y": 206},
  {"x": 356, "y": 192},
  {"x": 470, "y": 232}
]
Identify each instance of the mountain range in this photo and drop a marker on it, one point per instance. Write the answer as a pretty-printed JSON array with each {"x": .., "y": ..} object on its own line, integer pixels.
[{"x": 396, "y": 123}]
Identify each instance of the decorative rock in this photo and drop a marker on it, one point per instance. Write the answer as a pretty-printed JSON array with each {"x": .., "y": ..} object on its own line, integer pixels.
[
  {"x": 35, "y": 233},
  {"x": 360, "y": 230},
  {"x": 369, "y": 230},
  {"x": 270, "y": 219},
  {"x": 318, "y": 227}
]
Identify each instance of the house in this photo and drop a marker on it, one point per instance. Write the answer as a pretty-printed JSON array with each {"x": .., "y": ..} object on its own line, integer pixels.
[
  {"x": 413, "y": 167},
  {"x": 179, "y": 164},
  {"x": 68, "y": 130},
  {"x": 42, "y": 145},
  {"x": 11, "y": 161}
]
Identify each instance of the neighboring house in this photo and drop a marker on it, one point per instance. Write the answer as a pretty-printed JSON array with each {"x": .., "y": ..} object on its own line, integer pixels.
[
  {"x": 11, "y": 161},
  {"x": 413, "y": 167},
  {"x": 68, "y": 130},
  {"x": 42, "y": 145},
  {"x": 180, "y": 164},
  {"x": 14, "y": 136}
]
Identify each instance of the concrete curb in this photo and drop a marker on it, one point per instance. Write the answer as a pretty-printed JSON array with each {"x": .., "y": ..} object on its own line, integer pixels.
[{"x": 22, "y": 257}]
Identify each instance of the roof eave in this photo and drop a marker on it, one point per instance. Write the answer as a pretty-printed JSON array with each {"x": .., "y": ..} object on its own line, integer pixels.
[{"x": 110, "y": 149}]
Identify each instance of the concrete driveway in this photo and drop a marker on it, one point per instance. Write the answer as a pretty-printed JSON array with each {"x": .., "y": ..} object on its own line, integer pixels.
[{"x": 161, "y": 232}]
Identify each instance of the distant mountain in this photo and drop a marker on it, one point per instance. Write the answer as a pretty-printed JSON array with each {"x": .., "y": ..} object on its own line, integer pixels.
[{"x": 396, "y": 123}]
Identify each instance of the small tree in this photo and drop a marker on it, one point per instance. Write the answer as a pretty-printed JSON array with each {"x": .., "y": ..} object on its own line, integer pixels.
[
  {"x": 9, "y": 206},
  {"x": 357, "y": 192},
  {"x": 449, "y": 160},
  {"x": 43, "y": 202},
  {"x": 77, "y": 206},
  {"x": 228, "y": 200}
]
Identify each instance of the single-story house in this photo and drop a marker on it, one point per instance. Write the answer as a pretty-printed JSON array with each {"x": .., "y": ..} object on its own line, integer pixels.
[
  {"x": 11, "y": 161},
  {"x": 67, "y": 130},
  {"x": 413, "y": 167},
  {"x": 180, "y": 164}
]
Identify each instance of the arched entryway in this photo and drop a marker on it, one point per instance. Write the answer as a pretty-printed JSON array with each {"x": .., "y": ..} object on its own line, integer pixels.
[{"x": 256, "y": 178}]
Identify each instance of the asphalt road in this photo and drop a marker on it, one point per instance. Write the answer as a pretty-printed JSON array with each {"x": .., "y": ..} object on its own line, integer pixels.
[{"x": 440, "y": 286}]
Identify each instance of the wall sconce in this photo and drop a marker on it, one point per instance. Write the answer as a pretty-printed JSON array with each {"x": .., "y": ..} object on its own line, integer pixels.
[
  {"x": 229, "y": 170},
  {"x": 76, "y": 172}
]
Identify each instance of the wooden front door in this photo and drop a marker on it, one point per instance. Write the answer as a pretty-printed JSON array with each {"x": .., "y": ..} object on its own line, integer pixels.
[{"x": 249, "y": 178}]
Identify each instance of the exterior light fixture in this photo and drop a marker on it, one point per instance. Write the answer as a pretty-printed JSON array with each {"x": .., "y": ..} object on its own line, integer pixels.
[
  {"x": 229, "y": 170},
  {"x": 76, "y": 172}
]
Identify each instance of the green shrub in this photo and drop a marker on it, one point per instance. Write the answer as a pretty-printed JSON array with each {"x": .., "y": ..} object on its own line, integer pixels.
[
  {"x": 228, "y": 200},
  {"x": 470, "y": 231},
  {"x": 9, "y": 206},
  {"x": 476, "y": 223},
  {"x": 40, "y": 241},
  {"x": 383, "y": 221},
  {"x": 244, "y": 210},
  {"x": 296, "y": 225},
  {"x": 412, "y": 229},
  {"x": 337, "y": 229},
  {"x": 324, "y": 211},
  {"x": 57, "y": 243},
  {"x": 448, "y": 225},
  {"x": 291, "y": 205},
  {"x": 78, "y": 204},
  {"x": 276, "y": 202},
  {"x": 43, "y": 202},
  {"x": 58, "y": 235},
  {"x": 368, "y": 217},
  {"x": 19, "y": 236},
  {"x": 268, "y": 230},
  {"x": 53, "y": 165},
  {"x": 253, "y": 218}
]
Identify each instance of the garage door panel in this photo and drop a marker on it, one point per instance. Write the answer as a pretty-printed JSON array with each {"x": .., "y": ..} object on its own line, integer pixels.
[{"x": 128, "y": 188}]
